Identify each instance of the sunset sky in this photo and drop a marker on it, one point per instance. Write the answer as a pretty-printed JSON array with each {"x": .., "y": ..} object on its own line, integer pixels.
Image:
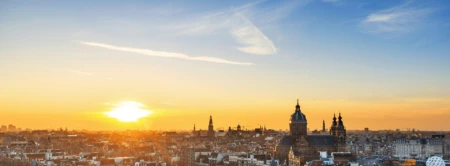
[{"x": 382, "y": 64}]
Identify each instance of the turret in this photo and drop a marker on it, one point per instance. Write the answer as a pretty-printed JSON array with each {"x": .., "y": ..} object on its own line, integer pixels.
[
  {"x": 340, "y": 130},
  {"x": 333, "y": 126}
]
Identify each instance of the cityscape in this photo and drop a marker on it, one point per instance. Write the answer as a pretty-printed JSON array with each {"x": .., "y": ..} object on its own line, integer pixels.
[
  {"x": 261, "y": 146},
  {"x": 225, "y": 83}
]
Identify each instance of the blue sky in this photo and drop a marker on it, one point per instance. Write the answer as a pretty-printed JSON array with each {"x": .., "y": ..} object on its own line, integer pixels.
[{"x": 312, "y": 50}]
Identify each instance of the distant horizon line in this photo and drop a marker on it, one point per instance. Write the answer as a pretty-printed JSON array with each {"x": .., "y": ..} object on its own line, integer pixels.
[{"x": 185, "y": 130}]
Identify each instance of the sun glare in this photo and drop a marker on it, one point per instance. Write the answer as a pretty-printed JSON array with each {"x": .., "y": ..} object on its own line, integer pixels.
[{"x": 128, "y": 111}]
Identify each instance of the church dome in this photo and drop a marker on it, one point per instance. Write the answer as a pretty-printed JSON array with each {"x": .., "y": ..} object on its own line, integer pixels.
[{"x": 298, "y": 116}]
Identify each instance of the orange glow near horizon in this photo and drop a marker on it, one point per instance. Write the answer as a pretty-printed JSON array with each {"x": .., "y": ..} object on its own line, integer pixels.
[
  {"x": 168, "y": 66},
  {"x": 128, "y": 111},
  {"x": 418, "y": 113}
]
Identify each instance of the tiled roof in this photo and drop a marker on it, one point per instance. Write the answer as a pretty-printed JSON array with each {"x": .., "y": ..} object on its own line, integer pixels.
[
  {"x": 321, "y": 140},
  {"x": 286, "y": 141}
]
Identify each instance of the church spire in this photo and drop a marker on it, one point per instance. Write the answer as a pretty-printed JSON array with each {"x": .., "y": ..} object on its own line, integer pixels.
[
  {"x": 210, "y": 127},
  {"x": 333, "y": 126},
  {"x": 323, "y": 126},
  {"x": 334, "y": 122},
  {"x": 340, "y": 123},
  {"x": 297, "y": 107}
]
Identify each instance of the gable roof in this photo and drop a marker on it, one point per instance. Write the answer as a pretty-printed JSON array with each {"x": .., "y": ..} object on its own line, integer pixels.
[{"x": 286, "y": 140}]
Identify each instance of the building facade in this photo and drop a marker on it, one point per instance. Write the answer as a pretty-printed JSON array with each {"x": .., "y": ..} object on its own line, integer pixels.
[
  {"x": 306, "y": 147},
  {"x": 446, "y": 148},
  {"x": 419, "y": 147}
]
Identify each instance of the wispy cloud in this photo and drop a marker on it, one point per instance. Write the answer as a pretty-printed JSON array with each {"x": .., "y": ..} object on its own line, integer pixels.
[
  {"x": 80, "y": 72},
  {"x": 402, "y": 18},
  {"x": 243, "y": 31},
  {"x": 165, "y": 54},
  {"x": 211, "y": 22},
  {"x": 252, "y": 39},
  {"x": 204, "y": 26},
  {"x": 278, "y": 11}
]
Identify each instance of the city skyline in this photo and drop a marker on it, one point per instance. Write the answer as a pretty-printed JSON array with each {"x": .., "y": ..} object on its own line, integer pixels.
[
  {"x": 245, "y": 126},
  {"x": 382, "y": 64}
]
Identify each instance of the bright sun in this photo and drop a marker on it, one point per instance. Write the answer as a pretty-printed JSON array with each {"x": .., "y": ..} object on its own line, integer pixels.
[{"x": 128, "y": 111}]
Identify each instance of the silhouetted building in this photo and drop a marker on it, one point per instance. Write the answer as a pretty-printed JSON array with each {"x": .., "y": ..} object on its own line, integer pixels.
[
  {"x": 323, "y": 126},
  {"x": 11, "y": 127},
  {"x": 338, "y": 129},
  {"x": 4, "y": 128},
  {"x": 210, "y": 127},
  {"x": 306, "y": 147}
]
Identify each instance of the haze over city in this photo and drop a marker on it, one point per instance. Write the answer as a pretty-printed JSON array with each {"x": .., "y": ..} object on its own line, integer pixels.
[{"x": 117, "y": 65}]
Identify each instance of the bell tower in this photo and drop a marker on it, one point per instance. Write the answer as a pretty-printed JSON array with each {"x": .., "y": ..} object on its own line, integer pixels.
[
  {"x": 341, "y": 131},
  {"x": 210, "y": 127},
  {"x": 298, "y": 124}
]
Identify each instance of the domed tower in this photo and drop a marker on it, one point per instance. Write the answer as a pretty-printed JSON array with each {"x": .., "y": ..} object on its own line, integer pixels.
[{"x": 298, "y": 123}]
